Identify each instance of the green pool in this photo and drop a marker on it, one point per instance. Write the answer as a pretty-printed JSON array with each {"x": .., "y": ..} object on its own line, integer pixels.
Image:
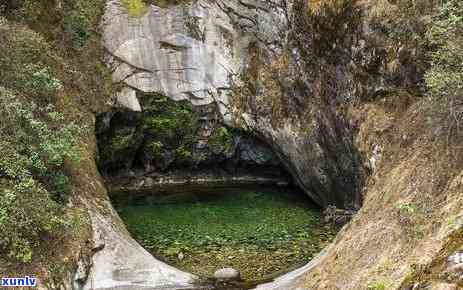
[{"x": 258, "y": 231}]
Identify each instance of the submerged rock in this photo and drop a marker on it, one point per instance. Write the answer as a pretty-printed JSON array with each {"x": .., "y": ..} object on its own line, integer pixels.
[
  {"x": 227, "y": 274},
  {"x": 336, "y": 216}
]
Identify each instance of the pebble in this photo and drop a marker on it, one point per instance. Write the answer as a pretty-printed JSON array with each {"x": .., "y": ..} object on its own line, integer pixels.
[{"x": 227, "y": 274}]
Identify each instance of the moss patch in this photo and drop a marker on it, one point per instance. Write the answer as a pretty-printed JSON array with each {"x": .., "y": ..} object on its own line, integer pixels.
[
  {"x": 135, "y": 8},
  {"x": 221, "y": 140},
  {"x": 169, "y": 126}
]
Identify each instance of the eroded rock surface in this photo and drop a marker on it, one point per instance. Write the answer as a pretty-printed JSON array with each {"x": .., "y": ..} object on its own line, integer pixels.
[
  {"x": 121, "y": 263},
  {"x": 241, "y": 57}
]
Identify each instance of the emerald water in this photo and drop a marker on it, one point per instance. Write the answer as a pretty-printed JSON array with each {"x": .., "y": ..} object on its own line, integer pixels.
[{"x": 259, "y": 231}]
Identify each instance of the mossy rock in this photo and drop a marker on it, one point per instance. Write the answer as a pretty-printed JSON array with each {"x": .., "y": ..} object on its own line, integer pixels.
[
  {"x": 221, "y": 141},
  {"x": 170, "y": 129}
]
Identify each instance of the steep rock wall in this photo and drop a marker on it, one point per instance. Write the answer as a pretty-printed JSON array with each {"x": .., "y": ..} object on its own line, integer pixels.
[{"x": 242, "y": 57}]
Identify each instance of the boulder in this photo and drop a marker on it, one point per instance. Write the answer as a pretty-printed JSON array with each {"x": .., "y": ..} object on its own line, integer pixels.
[
  {"x": 227, "y": 274},
  {"x": 127, "y": 99}
]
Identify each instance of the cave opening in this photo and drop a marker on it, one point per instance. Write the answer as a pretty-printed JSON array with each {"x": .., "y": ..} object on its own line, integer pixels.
[{"x": 201, "y": 196}]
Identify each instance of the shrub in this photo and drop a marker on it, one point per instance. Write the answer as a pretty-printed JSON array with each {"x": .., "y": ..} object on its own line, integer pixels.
[
  {"x": 156, "y": 148},
  {"x": 40, "y": 81},
  {"x": 221, "y": 140},
  {"x": 78, "y": 28},
  {"x": 27, "y": 212},
  {"x": 174, "y": 124},
  {"x": 445, "y": 78},
  {"x": 183, "y": 154},
  {"x": 35, "y": 142},
  {"x": 23, "y": 62}
]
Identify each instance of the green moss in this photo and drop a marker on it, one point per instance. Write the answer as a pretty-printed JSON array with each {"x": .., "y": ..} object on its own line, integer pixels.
[
  {"x": 264, "y": 231},
  {"x": 221, "y": 140},
  {"x": 135, "y": 8},
  {"x": 377, "y": 285},
  {"x": 171, "y": 124}
]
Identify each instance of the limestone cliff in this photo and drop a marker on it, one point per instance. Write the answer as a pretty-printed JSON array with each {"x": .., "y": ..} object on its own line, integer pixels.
[{"x": 242, "y": 58}]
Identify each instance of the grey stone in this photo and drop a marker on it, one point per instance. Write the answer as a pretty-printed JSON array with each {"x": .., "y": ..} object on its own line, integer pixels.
[
  {"x": 127, "y": 99},
  {"x": 227, "y": 274},
  {"x": 122, "y": 262},
  {"x": 163, "y": 56}
]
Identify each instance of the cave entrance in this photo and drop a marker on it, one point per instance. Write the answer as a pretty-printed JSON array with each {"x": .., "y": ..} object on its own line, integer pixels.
[
  {"x": 201, "y": 196},
  {"x": 262, "y": 231}
]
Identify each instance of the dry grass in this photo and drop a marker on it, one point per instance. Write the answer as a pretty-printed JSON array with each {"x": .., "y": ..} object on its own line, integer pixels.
[{"x": 384, "y": 242}]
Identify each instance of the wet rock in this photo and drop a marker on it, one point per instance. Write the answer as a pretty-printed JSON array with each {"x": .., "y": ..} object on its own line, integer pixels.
[
  {"x": 253, "y": 152},
  {"x": 227, "y": 274},
  {"x": 336, "y": 216},
  {"x": 119, "y": 137}
]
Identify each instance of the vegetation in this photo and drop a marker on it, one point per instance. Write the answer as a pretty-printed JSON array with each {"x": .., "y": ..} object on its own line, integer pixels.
[
  {"x": 378, "y": 285},
  {"x": 169, "y": 126},
  {"x": 49, "y": 76},
  {"x": 33, "y": 183},
  {"x": 257, "y": 232},
  {"x": 221, "y": 140},
  {"x": 445, "y": 77},
  {"x": 135, "y": 8},
  {"x": 412, "y": 219}
]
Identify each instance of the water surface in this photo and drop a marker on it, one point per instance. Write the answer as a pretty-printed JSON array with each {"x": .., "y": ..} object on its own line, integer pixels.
[{"x": 260, "y": 231}]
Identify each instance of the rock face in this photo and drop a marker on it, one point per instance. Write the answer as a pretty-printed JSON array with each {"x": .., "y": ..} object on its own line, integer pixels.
[
  {"x": 120, "y": 262},
  {"x": 243, "y": 58}
]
